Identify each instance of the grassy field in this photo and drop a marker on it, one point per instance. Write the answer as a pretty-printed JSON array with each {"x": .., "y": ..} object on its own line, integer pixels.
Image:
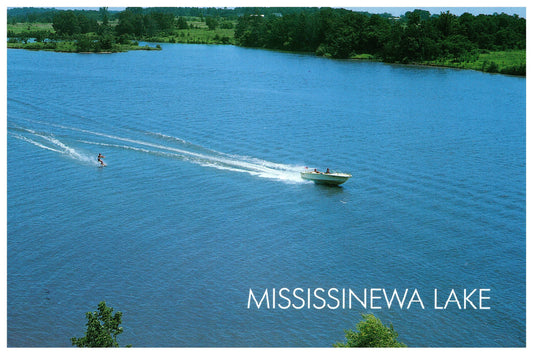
[
  {"x": 198, "y": 33},
  {"x": 197, "y": 36},
  {"x": 503, "y": 60},
  {"x": 20, "y": 28},
  {"x": 507, "y": 62}
]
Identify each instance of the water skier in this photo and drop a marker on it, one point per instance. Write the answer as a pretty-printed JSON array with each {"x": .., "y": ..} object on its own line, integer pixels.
[{"x": 100, "y": 156}]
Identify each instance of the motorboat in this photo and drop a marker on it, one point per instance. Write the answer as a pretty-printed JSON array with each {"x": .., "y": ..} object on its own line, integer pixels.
[{"x": 327, "y": 178}]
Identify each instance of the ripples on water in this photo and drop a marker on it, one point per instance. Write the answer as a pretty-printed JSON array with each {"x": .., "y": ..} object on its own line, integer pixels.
[{"x": 201, "y": 198}]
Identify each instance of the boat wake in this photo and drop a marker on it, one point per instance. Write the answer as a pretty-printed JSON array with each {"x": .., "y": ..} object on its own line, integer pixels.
[
  {"x": 48, "y": 142},
  {"x": 152, "y": 143}
]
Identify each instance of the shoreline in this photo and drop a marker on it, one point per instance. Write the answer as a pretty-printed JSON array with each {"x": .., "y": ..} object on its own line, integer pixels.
[
  {"x": 14, "y": 46},
  {"x": 362, "y": 57}
]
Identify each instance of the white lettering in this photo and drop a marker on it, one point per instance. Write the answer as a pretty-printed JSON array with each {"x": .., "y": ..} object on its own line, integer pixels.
[
  {"x": 418, "y": 300},
  {"x": 363, "y": 303},
  {"x": 454, "y": 299},
  {"x": 308, "y": 298},
  {"x": 258, "y": 304},
  {"x": 395, "y": 294},
  {"x": 285, "y": 289},
  {"x": 298, "y": 297},
  {"x": 372, "y": 298},
  {"x": 333, "y": 298},
  {"x": 435, "y": 295},
  {"x": 467, "y": 299},
  {"x": 320, "y": 298},
  {"x": 482, "y": 298}
]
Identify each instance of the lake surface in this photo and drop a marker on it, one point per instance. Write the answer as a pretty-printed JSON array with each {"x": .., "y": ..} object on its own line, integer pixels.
[{"x": 201, "y": 201}]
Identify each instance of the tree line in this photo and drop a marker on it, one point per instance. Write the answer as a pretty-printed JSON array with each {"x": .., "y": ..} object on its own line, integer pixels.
[
  {"x": 91, "y": 31},
  {"x": 416, "y": 36},
  {"x": 46, "y": 15},
  {"x": 104, "y": 30},
  {"x": 42, "y": 15}
]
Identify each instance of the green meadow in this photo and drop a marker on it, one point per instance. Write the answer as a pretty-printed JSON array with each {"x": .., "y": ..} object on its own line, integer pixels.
[
  {"x": 506, "y": 62},
  {"x": 197, "y": 36}
]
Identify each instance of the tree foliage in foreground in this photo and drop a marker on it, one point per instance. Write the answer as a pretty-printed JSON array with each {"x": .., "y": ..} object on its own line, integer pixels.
[
  {"x": 103, "y": 327},
  {"x": 371, "y": 333}
]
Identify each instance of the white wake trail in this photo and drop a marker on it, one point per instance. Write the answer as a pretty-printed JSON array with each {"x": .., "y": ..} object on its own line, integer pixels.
[
  {"x": 53, "y": 144},
  {"x": 193, "y": 153},
  {"x": 219, "y": 160},
  {"x": 71, "y": 152},
  {"x": 18, "y": 136}
]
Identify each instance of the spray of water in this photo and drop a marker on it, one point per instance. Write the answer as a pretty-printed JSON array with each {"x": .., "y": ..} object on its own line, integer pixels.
[
  {"x": 50, "y": 143},
  {"x": 166, "y": 145}
]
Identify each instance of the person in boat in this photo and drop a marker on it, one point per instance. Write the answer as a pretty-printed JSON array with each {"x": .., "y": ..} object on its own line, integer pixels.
[
  {"x": 327, "y": 171},
  {"x": 100, "y": 156}
]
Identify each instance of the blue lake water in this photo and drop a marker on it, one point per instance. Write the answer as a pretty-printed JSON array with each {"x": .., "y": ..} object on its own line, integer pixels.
[{"x": 201, "y": 200}]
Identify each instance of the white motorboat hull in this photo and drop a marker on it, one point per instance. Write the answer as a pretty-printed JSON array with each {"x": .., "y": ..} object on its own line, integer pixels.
[{"x": 326, "y": 178}]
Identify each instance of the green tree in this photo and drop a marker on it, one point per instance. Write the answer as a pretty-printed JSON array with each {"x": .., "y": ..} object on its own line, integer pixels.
[
  {"x": 104, "y": 15},
  {"x": 211, "y": 22},
  {"x": 130, "y": 21},
  {"x": 165, "y": 21},
  {"x": 102, "y": 328},
  {"x": 84, "y": 43},
  {"x": 106, "y": 42},
  {"x": 371, "y": 333},
  {"x": 249, "y": 31},
  {"x": 150, "y": 25},
  {"x": 66, "y": 23},
  {"x": 182, "y": 23},
  {"x": 86, "y": 24}
]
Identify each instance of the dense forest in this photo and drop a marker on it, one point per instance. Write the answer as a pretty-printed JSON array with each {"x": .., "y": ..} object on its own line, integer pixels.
[{"x": 415, "y": 37}]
